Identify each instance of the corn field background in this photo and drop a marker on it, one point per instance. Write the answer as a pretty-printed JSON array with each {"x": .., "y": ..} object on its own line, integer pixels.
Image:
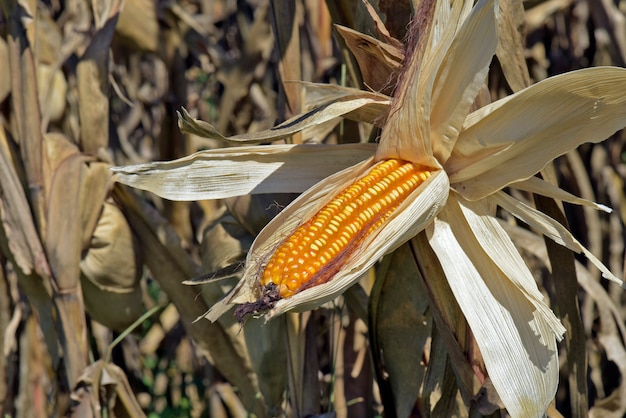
[{"x": 88, "y": 85}]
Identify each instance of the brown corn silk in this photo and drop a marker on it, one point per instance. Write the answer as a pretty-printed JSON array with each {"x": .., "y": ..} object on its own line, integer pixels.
[{"x": 318, "y": 249}]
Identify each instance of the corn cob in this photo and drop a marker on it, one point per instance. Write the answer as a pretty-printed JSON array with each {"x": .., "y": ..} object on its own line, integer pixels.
[{"x": 317, "y": 249}]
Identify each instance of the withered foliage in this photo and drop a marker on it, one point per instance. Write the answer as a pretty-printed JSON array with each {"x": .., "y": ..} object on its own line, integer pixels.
[{"x": 88, "y": 85}]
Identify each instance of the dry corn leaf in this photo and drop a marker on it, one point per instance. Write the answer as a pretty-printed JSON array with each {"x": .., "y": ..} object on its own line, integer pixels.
[
  {"x": 224, "y": 243},
  {"x": 19, "y": 226},
  {"x": 21, "y": 244},
  {"x": 510, "y": 49},
  {"x": 110, "y": 272},
  {"x": 96, "y": 187},
  {"x": 559, "y": 104},
  {"x": 52, "y": 93},
  {"x": 379, "y": 62},
  {"x": 92, "y": 74},
  {"x": 381, "y": 29},
  {"x": 103, "y": 390},
  {"x": 63, "y": 243},
  {"x": 218, "y": 174},
  {"x": 609, "y": 322},
  {"x": 318, "y": 95},
  {"x": 550, "y": 228},
  {"x": 361, "y": 106},
  {"x": 25, "y": 110},
  {"x": 566, "y": 302}
]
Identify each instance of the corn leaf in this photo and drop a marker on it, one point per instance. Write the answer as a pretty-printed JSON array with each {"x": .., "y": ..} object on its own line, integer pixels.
[
  {"x": 220, "y": 174},
  {"x": 501, "y": 144}
]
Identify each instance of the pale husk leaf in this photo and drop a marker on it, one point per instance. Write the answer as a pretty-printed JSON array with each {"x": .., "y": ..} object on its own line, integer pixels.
[
  {"x": 516, "y": 341},
  {"x": 318, "y": 94},
  {"x": 325, "y": 112},
  {"x": 434, "y": 96},
  {"x": 498, "y": 246},
  {"x": 218, "y": 174},
  {"x": 411, "y": 217},
  {"x": 454, "y": 91},
  {"x": 550, "y": 228},
  {"x": 379, "y": 61},
  {"x": 513, "y": 138},
  {"x": 544, "y": 188}
]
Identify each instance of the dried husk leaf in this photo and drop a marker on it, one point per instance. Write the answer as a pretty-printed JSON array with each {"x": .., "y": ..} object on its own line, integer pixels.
[
  {"x": 218, "y": 174},
  {"x": 503, "y": 320},
  {"x": 379, "y": 61},
  {"x": 318, "y": 94},
  {"x": 541, "y": 187},
  {"x": 500, "y": 144},
  {"x": 499, "y": 248},
  {"x": 360, "y": 106},
  {"x": 550, "y": 228},
  {"x": 611, "y": 325},
  {"x": 434, "y": 97}
]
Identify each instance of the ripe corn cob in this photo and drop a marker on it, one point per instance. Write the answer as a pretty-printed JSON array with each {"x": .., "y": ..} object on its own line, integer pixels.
[{"x": 317, "y": 249}]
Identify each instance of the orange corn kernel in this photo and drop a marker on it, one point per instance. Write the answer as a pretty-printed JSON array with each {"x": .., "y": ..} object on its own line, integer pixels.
[{"x": 317, "y": 249}]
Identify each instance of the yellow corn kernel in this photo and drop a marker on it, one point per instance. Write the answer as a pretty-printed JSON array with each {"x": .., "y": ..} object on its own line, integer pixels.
[{"x": 317, "y": 249}]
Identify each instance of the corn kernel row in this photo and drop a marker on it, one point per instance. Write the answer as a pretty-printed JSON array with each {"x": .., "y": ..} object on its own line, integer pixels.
[{"x": 317, "y": 249}]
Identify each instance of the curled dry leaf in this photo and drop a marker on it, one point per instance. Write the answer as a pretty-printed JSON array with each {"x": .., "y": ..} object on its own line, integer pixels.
[
  {"x": 104, "y": 387},
  {"x": 110, "y": 272},
  {"x": 379, "y": 61}
]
